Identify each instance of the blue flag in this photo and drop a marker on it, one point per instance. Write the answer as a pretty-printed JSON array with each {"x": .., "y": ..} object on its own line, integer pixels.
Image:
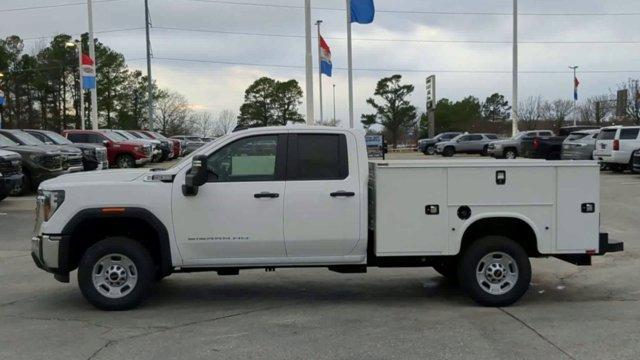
[{"x": 362, "y": 11}]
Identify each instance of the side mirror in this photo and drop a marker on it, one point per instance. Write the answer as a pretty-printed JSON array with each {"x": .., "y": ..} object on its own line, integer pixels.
[
  {"x": 105, "y": 143},
  {"x": 197, "y": 176}
]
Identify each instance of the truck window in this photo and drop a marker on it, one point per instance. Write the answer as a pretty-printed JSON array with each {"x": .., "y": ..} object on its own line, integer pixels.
[
  {"x": 317, "y": 157},
  {"x": 248, "y": 159},
  {"x": 95, "y": 138},
  {"x": 492, "y": 137},
  {"x": 576, "y": 136},
  {"x": 474, "y": 138},
  {"x": 545, "y": 133},
  {"x": 629, "y": 134},
  {"x": 77, "y": 138},
  {"x": 608, "y": 134}
]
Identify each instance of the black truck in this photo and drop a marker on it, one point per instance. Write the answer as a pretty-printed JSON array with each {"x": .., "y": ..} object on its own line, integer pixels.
[{"x": 548, "y": 147}]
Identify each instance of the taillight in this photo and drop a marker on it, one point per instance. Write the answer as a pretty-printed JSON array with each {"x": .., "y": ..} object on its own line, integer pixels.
[
  {"x": 536, "y": 144},
  {"x": 616, "y": 145}
]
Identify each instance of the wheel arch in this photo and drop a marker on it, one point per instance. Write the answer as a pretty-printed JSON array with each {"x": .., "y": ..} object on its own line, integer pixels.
[
  {"x": 517, "y": 227},
  {"x": 91, "y": 225}
]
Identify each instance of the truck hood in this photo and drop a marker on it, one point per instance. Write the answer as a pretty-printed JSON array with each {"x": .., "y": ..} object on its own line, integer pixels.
[
  {"x": 503, "y": 142},
  {"x": 28, "y": 149},
  {"x": 95, "y": 178}
]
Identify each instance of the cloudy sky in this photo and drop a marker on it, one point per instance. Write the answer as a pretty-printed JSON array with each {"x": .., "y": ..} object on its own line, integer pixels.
[{"x": 211, "y": 50}]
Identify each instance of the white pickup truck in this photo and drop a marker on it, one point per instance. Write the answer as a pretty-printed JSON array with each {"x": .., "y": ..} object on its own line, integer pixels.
[{"x": 309, "y": 197}]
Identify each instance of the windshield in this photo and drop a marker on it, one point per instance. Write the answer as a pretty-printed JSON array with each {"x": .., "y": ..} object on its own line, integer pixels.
[
  {"x": 448, "y": 136},
  {"x": 57, "y": 138},
  {"x": 5, "y": 141},
  {"x": 187, "y": 159},
  {"x": 457, "y": 137},
  {"x": 114, "y": 136},
  {"x": 26, "y": 139},
  {"x": 125, "y": 135},
  {"x": 608, "y": 134},
  {"x": 144, "y": 135},
  {"x": 157, "y": 135}
]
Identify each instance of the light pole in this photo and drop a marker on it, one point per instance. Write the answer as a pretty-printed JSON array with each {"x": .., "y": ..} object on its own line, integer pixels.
[
  {"x": 1, "y": 100},
  {"x": 147, "y": 24},
  {"x": 334, "y": 103},
  {"x": 78, "y": 45},
  {"x": 92, "y": 53},
  {"x": 575, "y": 89},
  {"x": 308, "y": 61},
  {"x": 514, "y": 96}
]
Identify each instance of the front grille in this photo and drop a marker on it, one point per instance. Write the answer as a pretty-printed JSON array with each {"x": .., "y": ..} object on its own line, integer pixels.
[
  {"x": 10, "y": 167},
  {"x": 52, "y": 162},
  {"x": 101, "y": 155},
  {"x": 74, "y": 161},
  {"x": 148, "y": 150}
]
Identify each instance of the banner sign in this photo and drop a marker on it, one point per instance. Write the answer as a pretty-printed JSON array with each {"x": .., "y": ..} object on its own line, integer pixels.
[{"x": 1, "y": 98}]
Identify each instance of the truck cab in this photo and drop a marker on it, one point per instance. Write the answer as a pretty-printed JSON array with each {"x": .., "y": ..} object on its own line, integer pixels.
[{"x": 308, "y": 197}]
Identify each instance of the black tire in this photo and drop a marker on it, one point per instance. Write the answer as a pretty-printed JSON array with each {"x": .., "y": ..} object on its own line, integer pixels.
[
  {"x": 430, "y": 150},
  {"x": 448, "y": 269},
  {"x": 510, "y": 153},
  {"x": 449, "y": 151},
  {"x": 485, "y": 150},
  {"x": 472, "y": 259},
  {"x": 125, "y": 161},
  {"x": 144, "y": 270},
  {"x": 630, "y": 166}
]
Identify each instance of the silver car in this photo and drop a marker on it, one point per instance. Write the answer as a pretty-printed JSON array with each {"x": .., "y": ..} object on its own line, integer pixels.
[
  {"x": 579, "y": 145},
  {"x": 466, "y": 144}
]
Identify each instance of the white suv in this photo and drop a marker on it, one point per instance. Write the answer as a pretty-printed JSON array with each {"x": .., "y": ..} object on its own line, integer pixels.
[{"x": 616, "y": 145}]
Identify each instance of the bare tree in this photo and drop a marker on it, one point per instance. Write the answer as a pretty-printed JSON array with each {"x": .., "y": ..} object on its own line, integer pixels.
[
  {"x": 530, "y": 112},
  {"x": 594, "y": 109},
  {"x": 226, "y": 122},
  {"x": 202, "y": 124},
  {"x": 172, "y": 113},
  {"x": 557, "y": 111},
  {"x": 633, "y": 99}
]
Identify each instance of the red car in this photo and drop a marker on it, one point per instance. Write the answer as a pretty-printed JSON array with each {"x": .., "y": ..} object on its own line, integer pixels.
[
  {"x": 177, "y": 144},
  {"x": 121, "y": 152}
]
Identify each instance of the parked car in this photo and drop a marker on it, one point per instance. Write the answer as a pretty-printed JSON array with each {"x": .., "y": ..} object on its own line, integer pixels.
[
  {"x": 191, "y": 143},
  {"x": 548, "y": 147},
  {"x": 39, "y": 163},
  {"x": 244, "y": 202},
  {"x": 177, "y": 148},
  {"x": 579, "y": 145},
  {"x": 428, "y": 146},
  {"x": 10, "y": 173},
  {"x": 466, "y": 144},
  {"x": 616, "y": 146},
  {"x": 121, "y": 152},
  {"x": 166, "y": 145},
  {"x": 511, "y": 148},
  {"x": 94, "y": 156},
  {"x": 72, "y": 155},
  {"x": 155, "y": 144}
]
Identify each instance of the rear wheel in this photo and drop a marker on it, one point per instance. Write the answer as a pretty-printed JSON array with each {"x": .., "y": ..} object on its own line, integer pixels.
[
  {"x": 116, "y": 274},
  {"x": 630, "y": 166},
  {"x": 448, "y": 151},
  {"x": 494, "y": 271},
  {"x": 510, "y": 154},
  {"x": 125, "y": 161}
]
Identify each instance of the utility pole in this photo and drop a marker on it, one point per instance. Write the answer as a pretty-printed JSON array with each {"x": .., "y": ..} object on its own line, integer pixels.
[
  {"x": 334, "y": 102},
  {"x": 318, "y": 22},
  {"x": 514, "y": 96},
  {"x": 92, "y": 53},
  {"x": 349, "y": 64},
  {"x": 79, "y": 48},
  {"x": 575, "y": 94},
  {"x": 308, "y": 61},
  {"x": 147, "y": 25}
]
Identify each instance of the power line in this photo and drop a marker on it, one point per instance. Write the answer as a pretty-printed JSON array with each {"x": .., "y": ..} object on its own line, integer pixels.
[
  {"x": 489, "y": 13},
  {"x": 76, "y": 34},
  {"x": 245, "y": 33},
  {"x": 223, "y": 62},
  {"x": 54, "y": 5}
]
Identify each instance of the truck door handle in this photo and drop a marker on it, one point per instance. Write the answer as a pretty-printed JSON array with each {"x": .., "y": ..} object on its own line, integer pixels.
[
  {"x": 266, "y": 194},
  {"x": 342, "y": 193}
]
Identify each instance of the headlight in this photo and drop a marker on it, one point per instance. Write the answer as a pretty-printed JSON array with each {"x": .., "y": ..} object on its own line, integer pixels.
[
  {"x": 50, "y": 201},
  {"x": 89, "y": 152}
]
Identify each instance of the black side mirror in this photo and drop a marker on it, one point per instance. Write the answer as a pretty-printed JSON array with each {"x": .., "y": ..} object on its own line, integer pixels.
[{"x": 197, "y": 176}]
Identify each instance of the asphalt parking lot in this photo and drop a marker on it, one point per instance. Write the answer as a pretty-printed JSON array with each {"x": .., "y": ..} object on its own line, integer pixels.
[{"x": 569, "y": 312}]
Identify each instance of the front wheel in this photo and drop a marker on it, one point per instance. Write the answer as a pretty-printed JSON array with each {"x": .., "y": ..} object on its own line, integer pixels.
[
  {"x": 116, "y": 274},
  {"x": 430, "y": 150},
  {"x": 448, "y": 151},
  {"x": 495, "y": 271},
  {"x": 485, "y": 150},
  {"x": 125, "y": 161}
]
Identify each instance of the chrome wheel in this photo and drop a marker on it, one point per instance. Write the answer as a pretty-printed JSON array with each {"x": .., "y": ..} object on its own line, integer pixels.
[
  {"x": 510, "y": 154},
  {"x": 125, "y": 162},
  {"x": 114, "y": 276},
  {"x": 497, "y": 273}
]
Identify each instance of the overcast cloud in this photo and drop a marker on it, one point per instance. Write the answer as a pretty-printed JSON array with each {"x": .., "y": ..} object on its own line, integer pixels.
[{"x": 219, "y": 86}]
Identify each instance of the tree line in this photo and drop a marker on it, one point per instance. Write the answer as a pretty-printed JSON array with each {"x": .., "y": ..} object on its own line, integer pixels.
[{"x": 42, "y": 90}]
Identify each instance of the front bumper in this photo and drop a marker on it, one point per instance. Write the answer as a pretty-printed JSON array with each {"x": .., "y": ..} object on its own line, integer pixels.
[
  {"x": 46, "y": 254},
  {"x": 11, "y": 184}
]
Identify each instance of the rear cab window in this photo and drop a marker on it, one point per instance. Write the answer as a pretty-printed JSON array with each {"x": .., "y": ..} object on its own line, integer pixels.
[
  {"x": 607, "y": 134},
  {"x": 576, "y": 136},
  {"x": 317, "y": 157}
]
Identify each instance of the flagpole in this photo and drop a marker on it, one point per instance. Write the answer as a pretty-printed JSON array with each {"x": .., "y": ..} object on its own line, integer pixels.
[
  {"x": 514, "y": 84},
  {"x": 334, "y": 101},
  {"x": 308, "y": 61},
  {"x": 349, "y": 64},
  {"x": 320, "y": 68},
  {"x": 92, "y": 53},
  {"x": 79, "y": 48}
]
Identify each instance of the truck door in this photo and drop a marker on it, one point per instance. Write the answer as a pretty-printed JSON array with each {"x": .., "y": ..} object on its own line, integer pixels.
[
  {"x": 322, "y": 195},
  {"x": 237, "y": 214}
]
